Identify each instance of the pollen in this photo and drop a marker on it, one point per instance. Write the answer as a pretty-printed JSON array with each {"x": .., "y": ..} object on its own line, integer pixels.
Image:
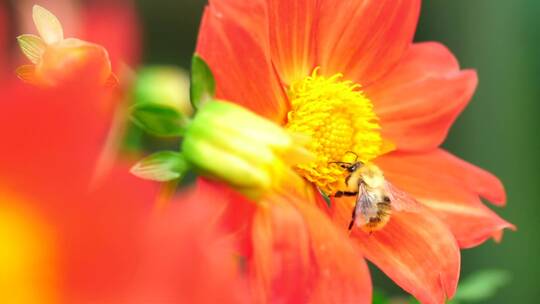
[{"x": 342, "y": 125}]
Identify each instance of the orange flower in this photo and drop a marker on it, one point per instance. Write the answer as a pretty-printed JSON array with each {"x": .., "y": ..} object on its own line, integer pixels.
[
  {"x": 347, "y": 74},
  {"x": 289, "y": 249},
  {"x": 70, "y": 239}
]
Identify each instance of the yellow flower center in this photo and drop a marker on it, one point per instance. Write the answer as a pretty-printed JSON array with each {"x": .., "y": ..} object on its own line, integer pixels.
[{"x": 340, "y": 120}]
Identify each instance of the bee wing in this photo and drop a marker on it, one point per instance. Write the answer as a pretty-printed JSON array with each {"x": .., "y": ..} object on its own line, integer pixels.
[
  {"x": 365, "y": 206},
  {"x": 400, "y": 200}
]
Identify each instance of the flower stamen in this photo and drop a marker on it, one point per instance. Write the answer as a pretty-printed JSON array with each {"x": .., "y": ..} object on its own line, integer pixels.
[{"x": 339, "y": 119}]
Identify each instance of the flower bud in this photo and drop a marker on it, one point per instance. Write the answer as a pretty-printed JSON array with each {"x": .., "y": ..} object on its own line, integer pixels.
[
  {"x": 229, "y": 143},
  {"x": 72, "y": 60},
  {"x": 56, "y": 60}
]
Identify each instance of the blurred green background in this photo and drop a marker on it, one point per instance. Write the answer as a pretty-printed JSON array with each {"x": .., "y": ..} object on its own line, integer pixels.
[{"x": 499, "y": 131}]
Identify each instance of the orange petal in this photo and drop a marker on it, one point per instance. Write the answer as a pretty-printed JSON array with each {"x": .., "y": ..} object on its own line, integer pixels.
[
  {"x": 117, "y": 252},
  {"x": 300, "y": 257},
  {"x": 196, "y": 261},
  {"x": 27, "y": 73},
  {"x": 364, "y": 39},
  {"x": 32, "y": 117},
  {"x": 291, "y": 33},
  {"x": 415, "y": 249},
  {"x": 236, "y": 216},
  {"x": 250, "y": 15},
  {"x": 281, "y": 256},
  {"x": 112, "y": 81},
  {"x": 450, "y": 188},
  {"x": 342, "y": 273},
  {"x": 443, "y": 165},
  {"x": 100, "y": 234},
  {"x": 240, "y": 64},
  {"x": 420, "y": 99}
]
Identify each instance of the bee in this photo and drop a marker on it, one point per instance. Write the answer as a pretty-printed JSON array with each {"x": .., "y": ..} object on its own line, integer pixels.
[{"x": 375, "y": 196}]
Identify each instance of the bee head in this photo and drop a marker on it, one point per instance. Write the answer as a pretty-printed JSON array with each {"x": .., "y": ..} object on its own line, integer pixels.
[
  {"x": 355, "y": 166},
  {"x": 351, "y": 167}
]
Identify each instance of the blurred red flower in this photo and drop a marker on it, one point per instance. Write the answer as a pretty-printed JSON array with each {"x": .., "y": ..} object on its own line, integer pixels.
[{"x": 70, "y": 238}]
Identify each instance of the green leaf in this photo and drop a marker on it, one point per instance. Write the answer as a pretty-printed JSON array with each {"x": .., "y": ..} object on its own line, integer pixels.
[
  {"x": 158, "y": 119},
  {"x": 379, "y": 298},
  {"x": 481, "y": 286},
  {"x": 203, "y": 84},
  {"x": 161, "y": 166}
]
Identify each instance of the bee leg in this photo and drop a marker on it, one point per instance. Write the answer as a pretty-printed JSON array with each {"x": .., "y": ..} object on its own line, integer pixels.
[
  {"x": 345, "y": 193},
  {"x": 353, "y": 218}
]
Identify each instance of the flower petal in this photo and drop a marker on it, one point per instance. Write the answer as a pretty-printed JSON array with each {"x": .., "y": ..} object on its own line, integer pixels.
[
  {"x": 342, "y": 276},
  {"x": 446, "y": 166},
  {"x": 32, "y": 47},
  {"x": 45, "y": 130},
  {"x": 472, "y": 223},
  {"x": 415, "y": 249},
  {"x": 420, "y": 99},
  {"x": 27, "y": 73},
  {"x": 451, "y": 188},
  {"x": 364, "y": 39},
  {"x": 300, "y": 256},
  {"x": 240, "y": 64},
  {"x": 197, "y": 261},
  {"x": 48, "y": 25},
  {"x": 250, "y": 15},
  {"x": 272, "y": 243},
  {"x": 281, "y": 257},
  {"x": 99, "y": 234},
  {"x": 291, "y": 37}
]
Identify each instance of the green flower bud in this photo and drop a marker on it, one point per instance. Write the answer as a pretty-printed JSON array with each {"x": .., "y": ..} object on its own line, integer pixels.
[{"x": 229, "y": 143}]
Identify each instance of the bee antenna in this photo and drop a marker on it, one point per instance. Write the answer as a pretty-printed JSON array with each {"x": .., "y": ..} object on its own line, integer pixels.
[
  {"x": 356, "y": 155},
  {"x": 340, "y": 163}
]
